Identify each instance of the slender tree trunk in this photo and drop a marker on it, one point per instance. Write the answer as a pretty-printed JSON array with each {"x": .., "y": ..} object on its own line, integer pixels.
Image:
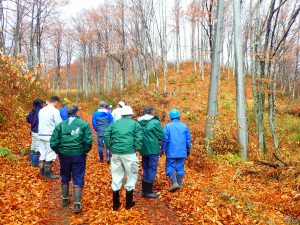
[
  {"x": 212, "y": 109},
  {"x": 177, "y": 25},
  {"x": 240, "y": 87}
]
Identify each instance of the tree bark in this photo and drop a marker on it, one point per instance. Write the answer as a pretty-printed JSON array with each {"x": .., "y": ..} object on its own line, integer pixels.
[{"x": 212, "y": 109}]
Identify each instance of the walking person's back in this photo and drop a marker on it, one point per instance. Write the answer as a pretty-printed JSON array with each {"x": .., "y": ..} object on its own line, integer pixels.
[
  {"x": 124, "y": 137},
  {"x": 177, "y": 146},
  {"x": 49, "y": 118},
  {"x": 72, "y": 140},
  {"x": 33, "y": 119},
  {"x": 101, "y": 119}
]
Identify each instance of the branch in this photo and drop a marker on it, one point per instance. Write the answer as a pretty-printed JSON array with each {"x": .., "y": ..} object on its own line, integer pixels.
[
  {"x": 291, "y": 22},
  {"x": 264, "y": 163}
]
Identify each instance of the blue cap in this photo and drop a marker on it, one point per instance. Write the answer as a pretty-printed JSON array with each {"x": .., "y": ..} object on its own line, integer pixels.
[{"x": 174, "y": 114}]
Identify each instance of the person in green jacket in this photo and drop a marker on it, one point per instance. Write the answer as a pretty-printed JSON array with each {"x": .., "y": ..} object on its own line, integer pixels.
[
  {"x": 153, "y": 133},
  {"x": 72, "y": 139},
  {"x": 124, "y": 137}
]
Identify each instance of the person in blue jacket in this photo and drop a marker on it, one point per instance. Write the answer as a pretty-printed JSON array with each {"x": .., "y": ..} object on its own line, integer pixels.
[
  {"x": 64, "y": 110},
  {"x": 101, "y": 120},
  {"x": 33, "y": 119},
  {"x": 177, "y": 146}
]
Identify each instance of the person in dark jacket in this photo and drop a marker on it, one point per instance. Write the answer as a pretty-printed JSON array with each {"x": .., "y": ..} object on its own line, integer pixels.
[
  {"x": 153, "y": 133},
  {"x": 64, "y": 110},
  {"x": 102, "y": 118},
  {"x": 124, "y": 137},
  {"x": 33, "y": 119},
  {"x": 177, "y": 146},
  {"x": 72, "y": 140}
]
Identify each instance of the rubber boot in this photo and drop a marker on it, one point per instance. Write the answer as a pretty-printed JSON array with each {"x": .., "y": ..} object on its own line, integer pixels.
[
  {"x": 48, "y": 171},
  {"x": 31, "y": 157},
  {"x": 35, "y": 159},
  {"x": 101, "y": 157},
  {"x": 77, "y": 198},
  {"x": 149, "y": 191},
  {"x": 65, "y": 195},
  {"x": 116, "y": 200},
  {"x": 107, "y": 156},
  {"x": 42, "y": 167},
  {"x": 174, "y": 184},
  {"x": 179, "y": 180},
  {"x": 129, "y": 199},
  {"x": 144, "y": 187}
]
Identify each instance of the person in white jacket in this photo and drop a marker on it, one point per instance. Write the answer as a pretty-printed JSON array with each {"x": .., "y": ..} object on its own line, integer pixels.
[
  {"x": 49, "y": 118},
  {"x": 116, "y": 113}
]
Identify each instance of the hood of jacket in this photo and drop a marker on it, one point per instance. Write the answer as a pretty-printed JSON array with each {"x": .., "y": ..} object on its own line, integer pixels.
[{"x": 143, "y": 120}]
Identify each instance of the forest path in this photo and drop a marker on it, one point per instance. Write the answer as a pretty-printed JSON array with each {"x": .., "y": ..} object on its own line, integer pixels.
[{"x": 97, "y": 198}]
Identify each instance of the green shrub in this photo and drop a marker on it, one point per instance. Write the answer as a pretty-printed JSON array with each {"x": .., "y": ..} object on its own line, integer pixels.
[
  {"x": 192, "y": 80},
  {"x": 8, "y": 153},
  {"x": 191, "y": 116}
]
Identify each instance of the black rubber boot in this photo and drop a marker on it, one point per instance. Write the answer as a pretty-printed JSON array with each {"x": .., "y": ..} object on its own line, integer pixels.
[
  {"x": 48, "y": 171},
  {"x": 116, "y": 200},
  {"x": 129, "y": 200},
  {"x": 77, "y": 199},
  {"x": 42, "y": 168},
  {"x": 65, "y": 194},
  {"x": 149, "y": 191},
  {"x": 101, "y": 156},
  {"x": 143, "y": 188}
]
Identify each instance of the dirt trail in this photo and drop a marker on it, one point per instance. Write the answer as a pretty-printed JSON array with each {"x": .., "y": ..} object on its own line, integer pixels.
[{"x": 97, "y": 199}]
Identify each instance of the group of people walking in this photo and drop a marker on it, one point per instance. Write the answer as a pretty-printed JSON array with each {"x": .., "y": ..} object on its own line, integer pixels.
[{"x": 119, "y": 136}]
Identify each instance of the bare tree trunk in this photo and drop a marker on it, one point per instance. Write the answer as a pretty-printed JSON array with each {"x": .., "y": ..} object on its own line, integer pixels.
[
  {"x": 212, "y": 109},
  {"x": 240, "y": 88},
  {"x": 2, "y": 28},
  {"x": 257, "y": 84},
  {"x": 177, "y": 28}
]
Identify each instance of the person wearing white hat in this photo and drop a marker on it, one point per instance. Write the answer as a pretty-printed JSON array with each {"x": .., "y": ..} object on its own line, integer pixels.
[
  {"x": 116, "y": 113},
  {"x": 124, "y": 137}
]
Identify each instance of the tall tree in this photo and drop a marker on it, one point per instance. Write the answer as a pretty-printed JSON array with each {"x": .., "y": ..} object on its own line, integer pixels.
[
  {"x": 240, "y": 87},
  {"x": 212, "y": 106}
]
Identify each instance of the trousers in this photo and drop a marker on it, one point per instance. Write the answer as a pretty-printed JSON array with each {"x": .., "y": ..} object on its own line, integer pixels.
[
  {"x": 72, "y": 166},
  {"x": 150, "y": 164},
  {"x": 122, "y": 165},
  {"x": 175, "y": 165},
  {"x": 34, "y": 142},
  {"x": 47, "y": 153}
]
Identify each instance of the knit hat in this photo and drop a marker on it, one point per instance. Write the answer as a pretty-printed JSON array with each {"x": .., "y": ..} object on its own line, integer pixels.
[
  {"x": 73, "y": 109},
  {"x": 102, "y": 104},
  {"x": 148, "y": 109}
]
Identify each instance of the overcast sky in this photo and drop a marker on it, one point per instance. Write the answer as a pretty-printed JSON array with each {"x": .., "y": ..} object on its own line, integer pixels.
[{"x": 76, "y": 5}]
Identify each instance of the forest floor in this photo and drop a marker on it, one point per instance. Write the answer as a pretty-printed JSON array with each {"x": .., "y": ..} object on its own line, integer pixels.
[{"x": 218, "y": 190}]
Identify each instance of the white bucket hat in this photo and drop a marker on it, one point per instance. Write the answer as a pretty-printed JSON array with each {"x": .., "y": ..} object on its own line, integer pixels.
[{"x": 127, "y": 111}]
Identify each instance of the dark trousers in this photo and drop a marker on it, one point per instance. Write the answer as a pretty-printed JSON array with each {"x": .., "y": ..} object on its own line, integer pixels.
[
  {"x": 101, "y": 148},
  {"x": 150, "y": 164},
  {"x": 72, "y": 166}
]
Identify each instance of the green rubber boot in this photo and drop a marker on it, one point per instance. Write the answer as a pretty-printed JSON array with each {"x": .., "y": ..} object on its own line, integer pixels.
[
  {"x": 42, "y": 167},
  {"x": 48, "y": 171},
  {"x": 77, "y": 198},
  {"x": 65, "y": 195}
]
